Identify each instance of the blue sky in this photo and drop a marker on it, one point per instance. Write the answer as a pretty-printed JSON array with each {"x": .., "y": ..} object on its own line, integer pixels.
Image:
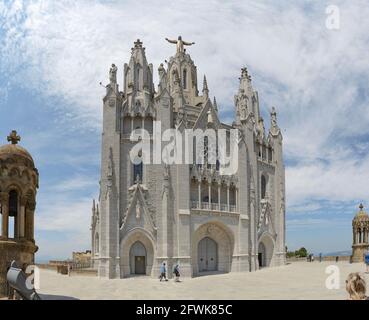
[{"x": 53, "y": 54}]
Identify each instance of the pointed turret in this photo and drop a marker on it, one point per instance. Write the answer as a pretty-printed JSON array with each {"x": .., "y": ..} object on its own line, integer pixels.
[
  {"x": 205, "y": 90},
  {"x": 246, "y": 101},
  {"x": 215, "y": 105},
  {"x": 138, "y": 81},
  {"x": 245, "y": 80}
]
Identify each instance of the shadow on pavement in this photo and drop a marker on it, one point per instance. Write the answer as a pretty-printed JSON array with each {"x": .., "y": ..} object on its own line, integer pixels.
[{"x": 55, "y": 297}]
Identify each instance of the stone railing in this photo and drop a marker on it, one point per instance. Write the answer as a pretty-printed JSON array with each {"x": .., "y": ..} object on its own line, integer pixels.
[{"x": 213, "y": 206}]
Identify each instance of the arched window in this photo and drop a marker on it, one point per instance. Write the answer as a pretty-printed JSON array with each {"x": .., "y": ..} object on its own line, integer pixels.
[
  {"x": 13, "y": 213},
  {"x": 184, "y": 79},
  {"x": 263, "y": 187}
]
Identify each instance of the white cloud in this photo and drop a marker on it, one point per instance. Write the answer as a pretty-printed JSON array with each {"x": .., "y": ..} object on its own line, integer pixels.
[
  {"x": 78, "y": 182},
  {"x": 65, "y": 215}
]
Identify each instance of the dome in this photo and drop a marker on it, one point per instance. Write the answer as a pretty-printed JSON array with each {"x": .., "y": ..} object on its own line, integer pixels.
[
  {"x": 361, "y": 215},
  {"x": 10, "y": 150}
]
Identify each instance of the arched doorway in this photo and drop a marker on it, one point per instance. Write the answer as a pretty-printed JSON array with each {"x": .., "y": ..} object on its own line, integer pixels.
[
  {"x": 265, "y": 250},
  {"x": 212, "y": 242},
  {"x": 261, "y": 255},
  {"x": 138, "y": 258},
  {"x": 207, "y": 255}
]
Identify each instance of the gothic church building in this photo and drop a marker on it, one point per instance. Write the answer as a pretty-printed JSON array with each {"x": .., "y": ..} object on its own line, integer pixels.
[{"x": 187, "y": 214}]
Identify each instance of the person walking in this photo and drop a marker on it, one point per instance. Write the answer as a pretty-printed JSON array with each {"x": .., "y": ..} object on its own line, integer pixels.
[
  {"x": 320, "y": 257},
  {"x": 163, "y": 271},
  {"x": 177, "y": 273}
]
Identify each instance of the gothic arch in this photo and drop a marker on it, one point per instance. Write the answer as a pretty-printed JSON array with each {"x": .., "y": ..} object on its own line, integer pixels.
[
  {"x": 224, "y": 239},
  {"x": 266, "y": 245},
  {"x": 134, "y": 235}
]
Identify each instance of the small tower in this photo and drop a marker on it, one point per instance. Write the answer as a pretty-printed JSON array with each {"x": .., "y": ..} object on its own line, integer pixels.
[
  {"x": 18, "y": 187},
  {"x": 360, "y": 229}
]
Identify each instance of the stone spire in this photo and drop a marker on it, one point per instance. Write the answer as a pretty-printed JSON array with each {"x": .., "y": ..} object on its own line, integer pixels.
[
  {"x": 245, "y": 80},
  {"x": 215, "y": 105},
  {"x": 205, "y": 89}
]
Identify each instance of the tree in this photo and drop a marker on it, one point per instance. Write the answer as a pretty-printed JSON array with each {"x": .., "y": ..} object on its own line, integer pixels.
[{"x": 302, "y": 253}]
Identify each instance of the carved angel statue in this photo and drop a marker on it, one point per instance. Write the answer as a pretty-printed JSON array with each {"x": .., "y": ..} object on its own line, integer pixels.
[
  {"x": 113, "y": 74},
  {"x": 180, "y": 44}
]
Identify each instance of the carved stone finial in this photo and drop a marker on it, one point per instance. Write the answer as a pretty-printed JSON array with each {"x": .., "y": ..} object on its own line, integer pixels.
[
  {"x": 138, "y": 44},
  {"x": 245, "y": 74},
  {"x": 13, "y": 137},
  {"x": 361, "y": 207}
]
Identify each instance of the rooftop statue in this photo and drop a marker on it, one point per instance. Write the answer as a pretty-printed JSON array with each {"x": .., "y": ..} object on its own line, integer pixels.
[{"x": 180, "y": 44}]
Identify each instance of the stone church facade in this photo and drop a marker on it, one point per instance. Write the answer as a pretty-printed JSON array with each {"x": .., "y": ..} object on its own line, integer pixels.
[{"x": 188, "y": 214}]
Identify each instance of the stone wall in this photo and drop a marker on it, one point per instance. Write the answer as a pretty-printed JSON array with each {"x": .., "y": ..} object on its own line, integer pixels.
[{"x": 21, "y": 252}]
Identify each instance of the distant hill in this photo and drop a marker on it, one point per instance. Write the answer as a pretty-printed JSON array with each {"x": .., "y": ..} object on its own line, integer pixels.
[{"x": 338, "y": 253}]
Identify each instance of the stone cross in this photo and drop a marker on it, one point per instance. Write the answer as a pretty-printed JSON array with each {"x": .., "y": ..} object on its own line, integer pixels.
[{"x": 13, "y": 137}]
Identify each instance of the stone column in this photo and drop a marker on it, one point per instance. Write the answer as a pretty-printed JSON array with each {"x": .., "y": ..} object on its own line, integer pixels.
[
  {"x": 219, "y": 196},
  {"x": 199, "y": 197},
  {"x": 209, "y": 195},
  {"x": 29, "y": 228},
  {"x": 22, "y": 218},
  {"x": 236, "y": 196},
  {"x": 4, "y": 198},
  {"x": 354, "y": 236},
  {"x": 228, "y": 207}
]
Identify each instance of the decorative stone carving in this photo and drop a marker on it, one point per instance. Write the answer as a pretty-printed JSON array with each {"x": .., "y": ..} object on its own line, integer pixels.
[
  {"x": 138, "y": 211},
  {"x": 113, "y": 74},
  {"x": 180, "y": 44}
]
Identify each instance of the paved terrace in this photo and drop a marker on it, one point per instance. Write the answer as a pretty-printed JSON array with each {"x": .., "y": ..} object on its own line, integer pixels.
[{"x": 299, "y": 280}]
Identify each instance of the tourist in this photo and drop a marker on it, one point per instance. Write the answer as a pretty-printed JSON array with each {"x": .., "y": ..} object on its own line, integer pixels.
[
  {"x": 356, "y": 287},
  {"x": 366, "y": 259},
  {"x": 320, "y": 257},
  {"x": 337, "y": 259},
  {"x": 177, "y": 273},
  {"x": 163, "y": 271}
]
